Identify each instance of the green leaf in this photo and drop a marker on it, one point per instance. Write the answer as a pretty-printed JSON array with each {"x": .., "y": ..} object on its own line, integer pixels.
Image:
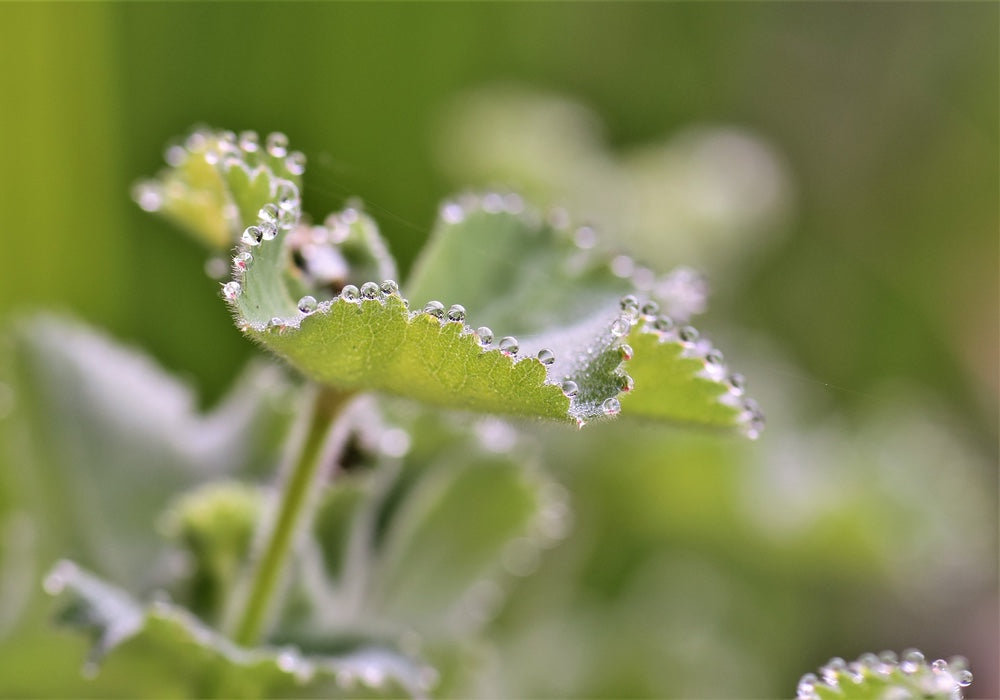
[
  {"x": 194, "y": 660},
  {"x": 107, "y": 438},
  {"x": 422, "y": 538},
  {"x": 885, "y": 677},
  {"x": 565, "y": 312},
  {"x": 710, "y": 195},
  {"x": 217, "y": 181}
]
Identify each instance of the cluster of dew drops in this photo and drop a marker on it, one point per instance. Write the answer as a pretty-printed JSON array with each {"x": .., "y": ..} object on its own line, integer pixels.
[
  {"x": 226, "y": 148},
  {"x": 283, "y": 216},
  {"x": 937, "y": 679},
  {"x": 585, "y": 239}
]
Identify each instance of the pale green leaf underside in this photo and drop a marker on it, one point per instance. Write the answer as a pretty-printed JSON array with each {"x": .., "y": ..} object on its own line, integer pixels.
[
  {"x": 563, "y": 328},
  {"x": 202, "y": 662},
  {"x": 111, "y": 436}
]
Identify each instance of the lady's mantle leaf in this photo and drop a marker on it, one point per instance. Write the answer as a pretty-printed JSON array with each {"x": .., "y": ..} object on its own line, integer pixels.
[
  {"x": 324, "y": 298},
  {"x": 201, "y": 662},
  {"x": 111, "y": 437},
  {"x": 217, "y": 180},
  {"x": 886, "y": 676}
]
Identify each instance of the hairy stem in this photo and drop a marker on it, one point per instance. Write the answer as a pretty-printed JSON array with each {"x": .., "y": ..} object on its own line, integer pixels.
[{"x": 315, "y": 451}]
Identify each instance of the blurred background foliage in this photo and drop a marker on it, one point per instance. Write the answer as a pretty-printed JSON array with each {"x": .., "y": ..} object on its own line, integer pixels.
[{"x": 862, "y": 302}]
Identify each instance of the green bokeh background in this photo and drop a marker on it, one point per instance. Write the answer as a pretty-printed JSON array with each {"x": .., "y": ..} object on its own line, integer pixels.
[{"x": 886, "y": 115}]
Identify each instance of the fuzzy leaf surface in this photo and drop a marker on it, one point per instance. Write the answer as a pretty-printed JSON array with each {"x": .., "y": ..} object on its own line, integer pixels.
[
  {"x": 194, "y": 660},
  {"x": 108, "y": 438}
]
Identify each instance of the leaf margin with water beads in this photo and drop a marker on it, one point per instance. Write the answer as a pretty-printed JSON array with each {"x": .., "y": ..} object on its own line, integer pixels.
[{"x": 370, "y": 339}]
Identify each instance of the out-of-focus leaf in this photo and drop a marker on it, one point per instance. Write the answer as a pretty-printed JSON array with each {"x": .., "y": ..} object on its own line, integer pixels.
[
  {"x": 193, "y": 660},
  {"x": 709, "y": 196},
  {"x": 213, "y": 527},
  {"x": 424, "y": 540},
  {"x": 105, "y": 438}
]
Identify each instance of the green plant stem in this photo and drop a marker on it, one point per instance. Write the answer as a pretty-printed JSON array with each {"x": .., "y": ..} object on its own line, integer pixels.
[{"x": 316, "y": 448}]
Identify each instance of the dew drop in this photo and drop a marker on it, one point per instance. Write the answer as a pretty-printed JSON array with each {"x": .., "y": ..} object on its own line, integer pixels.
[
  {"x": 868, "y": 661},
  {"x": 196, "y": 140},
  {"x": 287, "y": 660},
  {"x": 175, "y": 155},
  {"x": 276, "y": 324},
  {"x": 277, "y": 144},
  {"x": 349, "y": 293},
  {"x": 620, "y": 327},
  {"x": 287, "y": 198},
  {"x": 492, "y": 203},
  {"x": 585, "y": 238},
  {"x": 148, "y": 196},
  {"x": 508, "y": 345},
  {"x": 939, "y": 665},
  {"x": 714, "y": 357},
  {"x": 268, "y": 213},
  {"x": 390, "y": 287},
  {"x": 738, "y": 383},
  {"x": 243, "y": 261},
  {"x": 964, "y": 678},
  {"x": 649, "y": 310},
  {"x": 546, "y": 356},
  {"x": 456, "y": 313},
  {"x": 513, "y": 203},
  {"x": 485, "y": 335},
  {"x": 626, "y": 384},
  {"x": 434, "y": 308},
  {"x": 622, "y": 266},
  {"x": 688, "y": 334},
  {"x": 611, "y": 407},
  {"x": 249, "y": 141},
  {"x": 252, "y": 235},
  {"x": 452, "y": 213},
  {"x": 267, "y": 230},
  {"x": 912, "y": 660},
  {"x": 886, "y": 656},
  {"x": 626, "y": 350},
  {"x": 307, "y": 304},
  {"x": 663, "y": 324},
  {"x": 231, "y": 291},
  {"x": 370, "y": 290},
  {"x": 629, "y": 304},
  {"x": 807, "y": 684},
  {"x": 295, "y": 163},
  {"x": 570, "y": 388}
]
